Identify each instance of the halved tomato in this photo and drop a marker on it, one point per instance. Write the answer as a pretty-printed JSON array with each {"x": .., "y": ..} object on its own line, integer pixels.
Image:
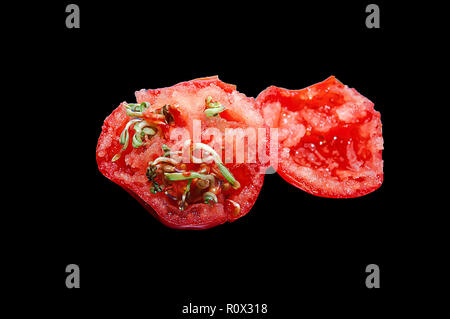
[
  {"x": 330, "y": 140},
  {"x": 143, "y": 146}
]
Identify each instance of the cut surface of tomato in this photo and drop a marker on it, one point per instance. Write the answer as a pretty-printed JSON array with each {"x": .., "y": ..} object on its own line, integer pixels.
[
  {"x": 330, "y": 139},
  {"x": 141, "y": 150}
]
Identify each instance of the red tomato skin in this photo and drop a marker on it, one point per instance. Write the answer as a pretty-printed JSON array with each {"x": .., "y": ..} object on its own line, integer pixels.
[
  {"x": 208, "y": 216},
  {"x": 297, "y": 101},
  {"x": 169, "y": 224}
]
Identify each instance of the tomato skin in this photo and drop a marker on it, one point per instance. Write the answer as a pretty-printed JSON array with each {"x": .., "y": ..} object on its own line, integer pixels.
[
  {"x": 330, "y": 140},
  {"x": 170, "y": 224},
  {"x": 129, "y": 170}
]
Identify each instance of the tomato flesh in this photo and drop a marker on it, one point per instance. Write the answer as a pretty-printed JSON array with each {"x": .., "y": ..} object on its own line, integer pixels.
[
  {"x": 187, "y": 103},
  {"x": 330, "y": 140}
]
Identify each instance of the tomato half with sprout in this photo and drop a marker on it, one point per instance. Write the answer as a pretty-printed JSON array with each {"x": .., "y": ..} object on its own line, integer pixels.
[
  {"x": 330, "y": 140},
  {"x": 183, "y": 181}
]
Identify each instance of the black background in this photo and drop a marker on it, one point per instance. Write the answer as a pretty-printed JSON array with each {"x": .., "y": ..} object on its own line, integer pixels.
[{"x": 293, "y": 251}]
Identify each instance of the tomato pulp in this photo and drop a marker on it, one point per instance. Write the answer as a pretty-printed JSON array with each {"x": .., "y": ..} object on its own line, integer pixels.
[
  {"x": 138, "y": 151},
  {"x": 330, "y": 139}
]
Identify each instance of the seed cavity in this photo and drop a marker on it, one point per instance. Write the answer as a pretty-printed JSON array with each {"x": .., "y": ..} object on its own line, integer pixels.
[
  {"x": 225, "y": 172},
  {"x": 143, "y": 127}
]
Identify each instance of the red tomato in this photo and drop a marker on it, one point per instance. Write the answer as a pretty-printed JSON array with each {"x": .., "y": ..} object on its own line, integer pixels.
[
  {"x": 330, "y": 140},
  {"x": 172, "y": 192}
]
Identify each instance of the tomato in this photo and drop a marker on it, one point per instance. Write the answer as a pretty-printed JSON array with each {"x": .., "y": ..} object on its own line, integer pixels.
[
  {"x": 330, "y": 141},
  {"x": 139, "y": 149}
]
